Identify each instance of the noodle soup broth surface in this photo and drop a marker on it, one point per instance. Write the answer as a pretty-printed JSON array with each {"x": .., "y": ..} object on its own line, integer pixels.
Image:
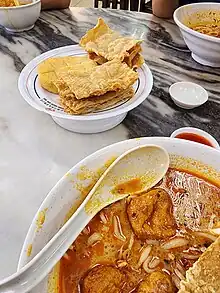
[
  {"x": 205, "y": 22},
  {"x": 144, "y": 241}
]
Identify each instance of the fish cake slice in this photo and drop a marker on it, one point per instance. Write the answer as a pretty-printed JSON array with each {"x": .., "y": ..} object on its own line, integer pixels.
[{"x": 47, "y": 81}]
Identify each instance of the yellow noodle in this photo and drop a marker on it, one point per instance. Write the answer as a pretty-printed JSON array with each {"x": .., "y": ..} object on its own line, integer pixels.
[{"x": 207, "y": 29}]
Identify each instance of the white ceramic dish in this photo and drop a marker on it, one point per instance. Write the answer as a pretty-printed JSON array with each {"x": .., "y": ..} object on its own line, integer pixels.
[
  {"x": 197, "y": 131},
  {"x": 147, "y": 159},
  {"x": 20, "y": 18},
  {"x": 42, "y": 100},
  {"x": 205, "y": 49},
  {"x": 60, "y": 200},
  {"x": 188, "y": 95}
]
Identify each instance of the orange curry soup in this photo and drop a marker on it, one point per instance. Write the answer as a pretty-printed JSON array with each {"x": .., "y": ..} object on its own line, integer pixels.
[{"x": 146, "y": 242}]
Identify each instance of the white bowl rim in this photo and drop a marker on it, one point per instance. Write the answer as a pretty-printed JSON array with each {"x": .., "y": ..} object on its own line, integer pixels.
[
  {"x": 34, "y": 2},
  {"x": 196, "y": 131},
  {"x": 191, "y": 31},
  {"x": 181, "y": 102}
]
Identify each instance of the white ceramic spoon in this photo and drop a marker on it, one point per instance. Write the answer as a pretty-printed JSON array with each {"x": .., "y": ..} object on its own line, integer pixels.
[{"x": 147, "y": 164}]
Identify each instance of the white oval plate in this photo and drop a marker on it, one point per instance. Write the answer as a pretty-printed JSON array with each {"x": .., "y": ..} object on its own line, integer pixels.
[{"x": 31, "y": 90}]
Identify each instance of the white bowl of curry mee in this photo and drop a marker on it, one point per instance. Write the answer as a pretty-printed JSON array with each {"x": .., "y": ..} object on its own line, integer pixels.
[
  {"x": 164, "y": 240},
  {"x": 199, "y": 24}
]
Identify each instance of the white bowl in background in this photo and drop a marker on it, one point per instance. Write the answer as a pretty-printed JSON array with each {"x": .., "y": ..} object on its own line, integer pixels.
[
  {"x": 205, "y": 49},
  {"x": 31, "y": 90},
  {"x": 20, "y": 18},
  {"x": 198, "y": 132},
  {"x": 188, "y": 95},
  {"x": 61, "y": 198}
]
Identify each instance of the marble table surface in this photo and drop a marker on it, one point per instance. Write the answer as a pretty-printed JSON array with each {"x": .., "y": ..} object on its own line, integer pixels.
[{"x": 35, "y": 152}]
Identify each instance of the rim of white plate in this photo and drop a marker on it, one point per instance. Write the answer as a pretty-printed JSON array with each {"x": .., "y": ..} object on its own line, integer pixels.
[{"x": 38, "y": 98}]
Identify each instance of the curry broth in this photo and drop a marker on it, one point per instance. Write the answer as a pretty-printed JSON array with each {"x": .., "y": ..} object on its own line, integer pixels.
[
  {"x": 13, "y": 3},
  {"x": 206, "y": 22},
  {"x": 110, "y": 240}
]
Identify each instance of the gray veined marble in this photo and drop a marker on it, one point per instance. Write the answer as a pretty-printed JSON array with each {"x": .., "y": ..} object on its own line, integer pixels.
[
  {"x": 163, "y": 49},
  {"x": 35, "y": 152}
]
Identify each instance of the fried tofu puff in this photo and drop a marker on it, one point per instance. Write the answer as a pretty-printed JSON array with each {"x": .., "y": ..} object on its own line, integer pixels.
[
  {"x": 151, "y": 215},
  {"x": 156, "y": 282},
  {"x": 103, "y": 279}
]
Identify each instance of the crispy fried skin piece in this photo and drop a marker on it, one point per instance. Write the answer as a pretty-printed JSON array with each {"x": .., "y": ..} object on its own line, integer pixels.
[
  {"x": 48, "y": 80},
  {"x": 103, "y": 279},
  {"x": 98, "y": 59},
  {"x": 84, "y": 106},
  {"x": 156, "y": 282},
  {"x": 151, "y": 215},
  {"x": 49, "y": 68},
  {"x": 137, "y": 61},
  {"x": 96, "y": 81},
  {"x": 132, "y": 53},
  {"x": 109, "y": 44},
  {"x": 204, "y": 276},
  {"x": 134, "y": 60}
]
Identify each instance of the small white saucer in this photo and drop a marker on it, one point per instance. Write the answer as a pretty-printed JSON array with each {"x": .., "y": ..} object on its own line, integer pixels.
[
  {"x": 188, "y": 95},
  {"x": 197, "y": 131}
]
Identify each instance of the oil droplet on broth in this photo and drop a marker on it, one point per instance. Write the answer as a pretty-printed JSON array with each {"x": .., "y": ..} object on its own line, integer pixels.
[{"x": 127, "y": 187}]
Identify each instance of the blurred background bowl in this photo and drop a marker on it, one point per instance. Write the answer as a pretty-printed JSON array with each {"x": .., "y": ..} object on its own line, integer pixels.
[
  {"x": 20, "y": 18},
  {"x": 205, "y": 49}
]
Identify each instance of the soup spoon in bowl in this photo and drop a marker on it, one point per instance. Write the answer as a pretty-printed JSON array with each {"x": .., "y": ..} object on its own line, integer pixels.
[{"x": 135, "y": 171}]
